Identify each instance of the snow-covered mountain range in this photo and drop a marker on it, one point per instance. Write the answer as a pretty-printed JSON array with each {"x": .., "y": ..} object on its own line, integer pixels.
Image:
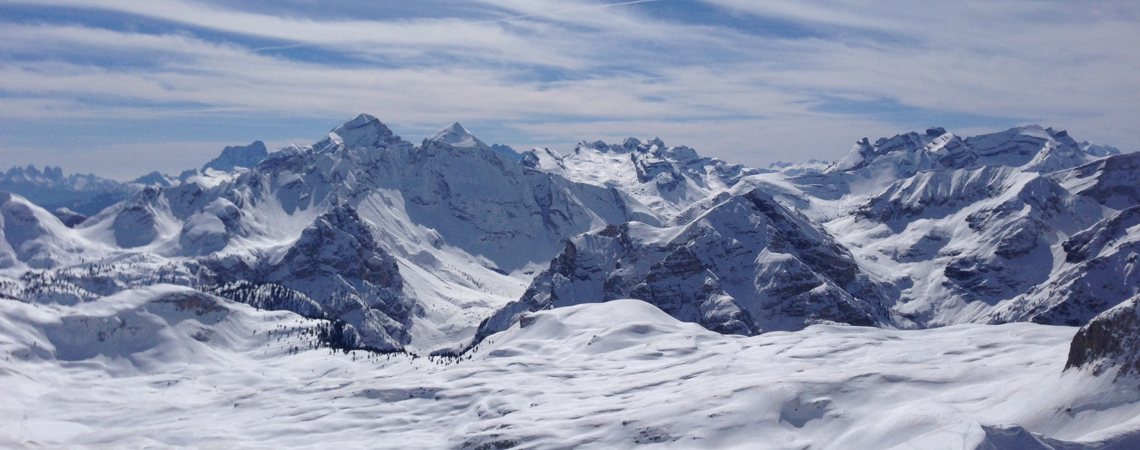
[
  {"x": 447, "y": 222},
  {"x": 74, "y": 196},
  {"x": 917, "y": 230},
  {"x": 452, "y": 247}
]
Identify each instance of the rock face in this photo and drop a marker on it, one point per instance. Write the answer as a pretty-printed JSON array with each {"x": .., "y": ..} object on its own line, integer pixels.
[
  {"x": 1113, "y": 181},
  {"x": 137, "y": 221},
  {"x": 746, "y": 265},
  {"x": 233, "y": 157},
  {"x": 1100, "y": 271},
  {"x": 1109, "y": 341},
  {"x": 339, "y": 265},
  {"x": 935, "y": 194},
  {"x": 490, "y": 206},
  {"x": 968, "y": 229},
  {"x": 69, "y": 218}
]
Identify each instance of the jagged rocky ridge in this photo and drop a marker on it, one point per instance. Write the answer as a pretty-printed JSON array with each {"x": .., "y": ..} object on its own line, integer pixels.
[
  {"x": 1099, "y": 271},
  {"x": 75, "y": 197},
  {"x": 745, "y": 265},
  {"x": 73, "y": 194},
  {"x": 942, "y": 230},
  {"x": 667, "y": 179},
  {"x": 334, "y": 270},
  {"x": 969, "y": 229},
  {"x": 236, "y": 156}
]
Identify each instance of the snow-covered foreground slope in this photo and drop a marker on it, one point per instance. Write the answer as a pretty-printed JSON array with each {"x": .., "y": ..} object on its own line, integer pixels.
[{"x": 166, "y": 366}]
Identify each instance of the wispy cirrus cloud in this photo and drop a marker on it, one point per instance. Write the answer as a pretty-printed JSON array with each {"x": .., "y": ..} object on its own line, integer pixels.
[{"x": 747, "y": 81}]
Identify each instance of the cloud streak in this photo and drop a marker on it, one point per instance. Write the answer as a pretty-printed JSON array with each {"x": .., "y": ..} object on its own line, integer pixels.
[
  {"x": 556, "y": 13},
  {"x": 713, "y": 74}
]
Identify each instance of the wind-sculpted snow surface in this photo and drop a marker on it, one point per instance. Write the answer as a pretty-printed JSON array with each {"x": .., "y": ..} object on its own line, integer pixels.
[{"x": 167, "y": 366}]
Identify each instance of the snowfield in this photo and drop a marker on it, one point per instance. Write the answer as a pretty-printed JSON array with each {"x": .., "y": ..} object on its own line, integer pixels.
[{"x": 168, "y": 366}]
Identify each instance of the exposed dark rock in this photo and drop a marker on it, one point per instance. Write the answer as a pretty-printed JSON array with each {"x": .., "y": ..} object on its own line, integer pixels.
[{"x": 1110, "y": 341}]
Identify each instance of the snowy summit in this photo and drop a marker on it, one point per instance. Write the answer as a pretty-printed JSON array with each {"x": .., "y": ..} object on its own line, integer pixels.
[{"x": 456, "y": 136}]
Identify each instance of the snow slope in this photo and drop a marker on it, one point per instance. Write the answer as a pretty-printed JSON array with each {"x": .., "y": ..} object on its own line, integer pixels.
[
  {"x": 165, "y": 366},
  {"x": 1113, "y": 181},
  {"x": 31, "y": 237},
  {"x": 236, "y": 156}
]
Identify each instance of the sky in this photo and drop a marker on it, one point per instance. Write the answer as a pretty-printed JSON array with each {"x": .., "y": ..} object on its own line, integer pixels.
[{"x": 121, "y": 88}]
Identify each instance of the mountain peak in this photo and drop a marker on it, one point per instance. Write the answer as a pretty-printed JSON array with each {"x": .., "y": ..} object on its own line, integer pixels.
[
  {"x": 456, "y": 136},
  {"x": 234, "y": 156},
  {"x": 154, "y": 178},
  {"x": 359, "y": 121},
  {"x": 363, "y": 131}
]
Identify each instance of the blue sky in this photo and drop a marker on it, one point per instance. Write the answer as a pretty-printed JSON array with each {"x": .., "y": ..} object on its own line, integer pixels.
[{"x": 121, "y": 88}]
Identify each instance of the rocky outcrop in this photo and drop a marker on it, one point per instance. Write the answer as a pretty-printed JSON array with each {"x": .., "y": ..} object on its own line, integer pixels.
[
  {"x": 745, "y": 266},
  {"x": 1110, "y": 342},
  {"x": 1101, "y": 271},
  {"x": 236, "y": 156},
  {"x": 338, "y": 264},
  {"x": 1113, "y": 181}
]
